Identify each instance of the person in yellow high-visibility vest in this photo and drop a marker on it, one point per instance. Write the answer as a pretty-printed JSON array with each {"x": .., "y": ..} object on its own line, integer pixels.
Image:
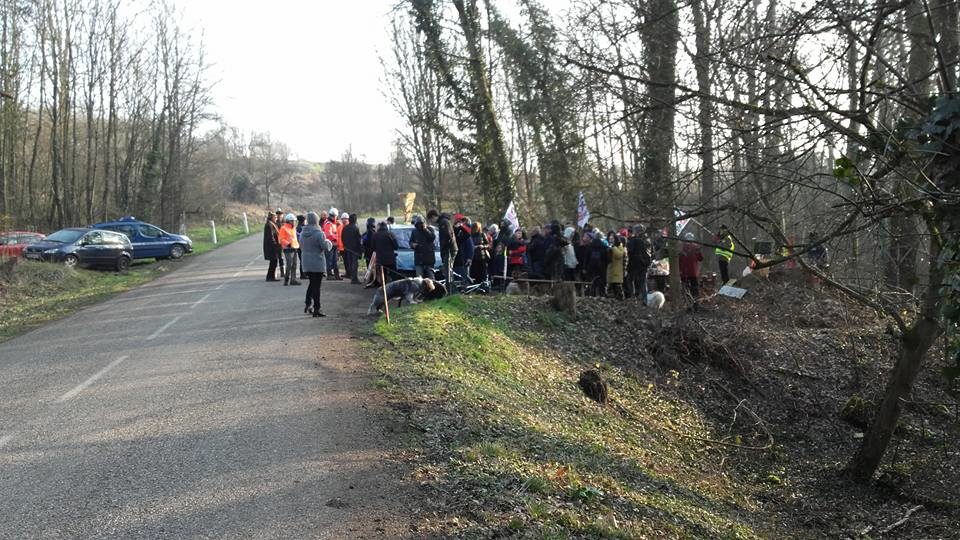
[{"x": 724, "y": 251}]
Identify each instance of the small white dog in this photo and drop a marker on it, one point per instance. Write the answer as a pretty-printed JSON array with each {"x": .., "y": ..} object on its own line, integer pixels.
[{"x": 656, "y": 299}]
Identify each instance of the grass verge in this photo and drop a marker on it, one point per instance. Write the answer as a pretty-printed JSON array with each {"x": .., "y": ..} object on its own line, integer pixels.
[
  {"x": 33, "y": 293},
  {"x": 511, "y": 447}
]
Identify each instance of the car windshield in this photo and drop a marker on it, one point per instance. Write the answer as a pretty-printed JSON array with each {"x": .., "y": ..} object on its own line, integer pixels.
[
  {"x": 66, "y": 236},
  {"x": 403, "y": 236}
]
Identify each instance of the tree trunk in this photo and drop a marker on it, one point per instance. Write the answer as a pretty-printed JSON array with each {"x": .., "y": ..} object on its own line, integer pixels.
[{"x": 913, "y": 348}]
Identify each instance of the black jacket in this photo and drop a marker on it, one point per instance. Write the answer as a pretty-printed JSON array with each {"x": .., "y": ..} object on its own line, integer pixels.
[
  {"x": 448, "y": 241},
  {"x": 367, "y": 240},
  {"x": 271, "y": 241},
  {"x": 639, "y": 256},
  {"x": 385, "y": 245},
  {"x": 351, "y": 239},
  {"x": 424, "y": 237}
]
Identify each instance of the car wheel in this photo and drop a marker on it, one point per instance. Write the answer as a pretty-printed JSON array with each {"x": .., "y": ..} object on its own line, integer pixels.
[
  {"x": 176, "y": 251},
  {"x": 123, "y": 264},
  {"x": 71, "y": 260}
]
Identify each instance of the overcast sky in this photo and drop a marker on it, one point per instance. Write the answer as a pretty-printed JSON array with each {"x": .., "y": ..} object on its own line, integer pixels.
[{"x": 307, "y": 71}]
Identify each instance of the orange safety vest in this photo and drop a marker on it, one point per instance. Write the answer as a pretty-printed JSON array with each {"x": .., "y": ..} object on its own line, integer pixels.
[{"x": 288, "y": 237}]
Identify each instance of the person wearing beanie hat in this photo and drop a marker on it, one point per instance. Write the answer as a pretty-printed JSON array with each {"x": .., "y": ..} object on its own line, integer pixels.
[
  {"x": 314, "y": 245},
  {"x": 366, "y": 240}
]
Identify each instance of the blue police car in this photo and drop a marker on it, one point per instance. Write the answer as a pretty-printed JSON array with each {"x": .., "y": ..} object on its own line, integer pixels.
[{"x": 149, "y": 241}]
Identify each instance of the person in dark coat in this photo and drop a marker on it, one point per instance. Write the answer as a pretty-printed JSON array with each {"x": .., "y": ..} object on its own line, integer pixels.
[
  {"x": 367, "y": 239},
  {"x": 448, "y": 240},
  {"x": 537, "y": 253},
  {"x": 481, "y": 253},
  {"x": 385, "y": 246},
  {"x": 639, "y": 258},
  {"x": 423, "y": 242},
  {"x": 352, "y": 248},
  {"x": 464, "y": 258},
  {"x": 597, "y": 260},
  {"x": 271, "y": 246}
]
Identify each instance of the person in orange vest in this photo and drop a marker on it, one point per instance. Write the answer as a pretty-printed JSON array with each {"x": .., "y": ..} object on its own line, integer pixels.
[
  {"x": 289, "y": 244},
  {"x": 331, "y": 229}
]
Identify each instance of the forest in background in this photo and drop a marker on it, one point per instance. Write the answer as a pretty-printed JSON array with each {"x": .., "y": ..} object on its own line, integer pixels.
[{"x": 777, "y": 118}]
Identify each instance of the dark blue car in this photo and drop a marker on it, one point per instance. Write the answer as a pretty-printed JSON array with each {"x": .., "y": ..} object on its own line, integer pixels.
[
  {"x": 83, "y": 247},
  {"x": 149, "y": 241},
  {"x": 405, "y": 252}
]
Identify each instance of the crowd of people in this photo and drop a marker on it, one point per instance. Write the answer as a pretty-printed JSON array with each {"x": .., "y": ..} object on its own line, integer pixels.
[{"x": 618, "y": 262}]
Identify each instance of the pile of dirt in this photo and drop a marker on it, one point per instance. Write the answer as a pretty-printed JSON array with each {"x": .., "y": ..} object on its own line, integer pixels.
[{"x": 797, "y": 363}]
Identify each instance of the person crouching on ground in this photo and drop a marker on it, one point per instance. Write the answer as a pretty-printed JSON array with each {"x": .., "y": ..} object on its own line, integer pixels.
[
  {"x": 290, "y": 245},
  {"x": 410, "y": 289},
  {"x": 314, "y": 246}
]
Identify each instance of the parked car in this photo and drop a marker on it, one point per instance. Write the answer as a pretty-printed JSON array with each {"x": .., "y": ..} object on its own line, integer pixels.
[
  {"x": 149, "y": 241},
  {"x": 13, "y": 242},
  {"x": 83, "y": 247},
  {"x": 405, "y": 252}
]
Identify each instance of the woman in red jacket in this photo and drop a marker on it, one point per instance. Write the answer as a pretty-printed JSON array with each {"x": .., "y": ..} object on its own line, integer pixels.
[
  {"x": 690, "y": 258},
  {"x": 516, "y": 250}
]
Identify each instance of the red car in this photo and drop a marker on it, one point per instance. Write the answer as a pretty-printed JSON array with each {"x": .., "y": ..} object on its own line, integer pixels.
[{"x": 13, "y": 242}]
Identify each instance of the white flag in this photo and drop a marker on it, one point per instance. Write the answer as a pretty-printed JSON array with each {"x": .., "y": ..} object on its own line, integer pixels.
[
  {"x": 583, "y": 215},
  {"x": 681, "y": 223},
  {"x": 511, "y": 217}
]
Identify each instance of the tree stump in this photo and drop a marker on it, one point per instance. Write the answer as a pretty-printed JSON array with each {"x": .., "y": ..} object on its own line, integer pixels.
[
  {"x": 565, "y": 299},
  {"x": 594, "y": 386}
]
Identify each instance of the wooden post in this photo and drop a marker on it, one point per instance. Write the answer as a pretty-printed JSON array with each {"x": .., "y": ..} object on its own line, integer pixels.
[
  {"x": 505, "y": 264},
  {"x": 386, "y": 303}
]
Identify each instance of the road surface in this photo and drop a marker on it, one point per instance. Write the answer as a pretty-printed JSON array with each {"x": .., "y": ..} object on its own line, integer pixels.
[{"x": 203, "y": 404}]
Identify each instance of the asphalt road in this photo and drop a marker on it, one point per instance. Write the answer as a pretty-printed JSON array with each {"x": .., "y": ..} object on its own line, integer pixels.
[{"x": 204, "y": 404}]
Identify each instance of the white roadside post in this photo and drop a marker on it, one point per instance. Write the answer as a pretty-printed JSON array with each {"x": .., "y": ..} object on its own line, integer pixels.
[
  {"x": 213, "y": 228},
  {"x": 246, "y": 225},
  {"x": 388, "y": 209}
]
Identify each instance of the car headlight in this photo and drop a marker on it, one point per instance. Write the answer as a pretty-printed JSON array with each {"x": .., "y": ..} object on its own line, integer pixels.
[{"x": 50, "y": 252}]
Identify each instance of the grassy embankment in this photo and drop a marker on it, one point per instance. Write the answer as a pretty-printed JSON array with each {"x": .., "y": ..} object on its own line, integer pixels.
[
  {"x": 33, "y": 293},
  {"x": 507, "y": 445}
]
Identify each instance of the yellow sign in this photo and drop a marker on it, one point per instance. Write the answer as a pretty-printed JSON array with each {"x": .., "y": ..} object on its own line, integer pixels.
[{"x": 407, "y": 199}]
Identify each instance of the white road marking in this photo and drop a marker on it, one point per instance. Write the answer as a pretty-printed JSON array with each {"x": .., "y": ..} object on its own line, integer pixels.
[
  {"x": 82, "y": 386},
  {"x": 164, "y": 327},
  {"x": 200, "y": 301},
  {"x": 238, "y": 272},
  {"x": 5, "y": 439},
  {"x": 218, "y": 287}
]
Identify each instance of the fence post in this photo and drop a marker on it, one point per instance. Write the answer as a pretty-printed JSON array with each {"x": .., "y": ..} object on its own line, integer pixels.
[
  {"x": 213, "y": 228},
  {"x": 246, "y": 224},
  {"x": 183, "y": 224}
]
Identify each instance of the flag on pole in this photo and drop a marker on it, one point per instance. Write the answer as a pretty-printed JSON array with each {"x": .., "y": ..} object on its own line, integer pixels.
[
  {"x": 511, "y": 217},
  {"x": 583, "y": 215},
  {"x": 681, "y": 223}
]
